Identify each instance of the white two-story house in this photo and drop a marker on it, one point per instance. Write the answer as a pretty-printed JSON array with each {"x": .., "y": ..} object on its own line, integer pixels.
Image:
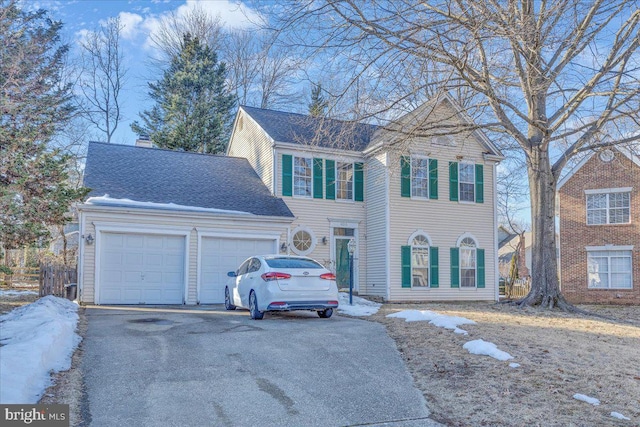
[{"x": 421, "y": 209}]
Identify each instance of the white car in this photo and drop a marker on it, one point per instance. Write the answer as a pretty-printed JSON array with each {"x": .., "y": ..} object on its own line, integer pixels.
[{"x": 281, "y": 283}]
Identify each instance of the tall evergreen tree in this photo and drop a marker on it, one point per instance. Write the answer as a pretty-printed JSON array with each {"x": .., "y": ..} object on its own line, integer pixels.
[
  {"x": 34, "y": 105},
  {"x": 318, "y": 105},
  {"x": 193, "y": 106}
]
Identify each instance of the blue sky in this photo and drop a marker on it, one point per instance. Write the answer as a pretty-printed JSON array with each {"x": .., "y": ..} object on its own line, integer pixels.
[{"x": 140, "y": 18}]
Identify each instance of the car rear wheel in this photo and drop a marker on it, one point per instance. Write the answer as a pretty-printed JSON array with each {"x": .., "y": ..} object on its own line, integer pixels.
[
  {"x": 325, "y": 314},
  {"x": 227, "y": 300},
  {"x": 253, "y": 307}
]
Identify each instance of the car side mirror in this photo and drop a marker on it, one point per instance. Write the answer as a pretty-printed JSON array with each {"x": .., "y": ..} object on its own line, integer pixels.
[{"x": 232, "y": 274}]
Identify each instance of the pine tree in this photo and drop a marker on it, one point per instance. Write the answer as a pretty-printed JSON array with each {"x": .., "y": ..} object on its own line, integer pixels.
[
  {"x": 193, "y": 106},
  {"x": 34, "y": 105},
  {"x": 318, "y": 105}
]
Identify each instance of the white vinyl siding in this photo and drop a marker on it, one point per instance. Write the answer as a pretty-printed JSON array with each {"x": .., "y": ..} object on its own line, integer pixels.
[
  {"x": 252, "y": 143},
  {"x": 609, "y": 269},
  {"x": 377, "y": 226},
  {"x": 443, "y": 220}
]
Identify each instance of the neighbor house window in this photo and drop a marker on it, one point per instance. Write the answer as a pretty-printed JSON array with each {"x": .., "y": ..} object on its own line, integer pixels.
[
  {"x": 467, "y": 182},
  {"x": 609, "y": 269},
  {"x": 608, "y": 208},
  {"x": 420, "y": 261},
  {"x": 302, "y": 176},
  {"x": 344, "y": 181}
]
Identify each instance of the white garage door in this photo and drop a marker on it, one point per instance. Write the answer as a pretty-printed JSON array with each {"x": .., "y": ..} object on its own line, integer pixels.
[
  {"x": 221, "y": 255},
  {"x": 141, "y": 269}
]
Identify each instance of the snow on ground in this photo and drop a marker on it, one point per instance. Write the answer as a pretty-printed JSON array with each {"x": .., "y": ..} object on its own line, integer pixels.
[
  {"x": 15, "y": 293},
  {"x": 436, "y": 319},
  {"x": 360, "y": 307},
  {"x": 619, "y": 416},
  {"x": 514, "y": 365},
  {"x": 486, "y": 348},
  {"x": 35, "y": 339},
  {"x": 585, "y": 398}
]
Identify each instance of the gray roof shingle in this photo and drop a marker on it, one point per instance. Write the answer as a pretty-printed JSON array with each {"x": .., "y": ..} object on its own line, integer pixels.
[
  {"x": 182, "y": 178},
  {"x": 323, "y": 132}
]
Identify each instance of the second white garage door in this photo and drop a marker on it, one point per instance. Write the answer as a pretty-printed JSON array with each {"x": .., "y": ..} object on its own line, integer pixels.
[{"x": 219, "y": 256}]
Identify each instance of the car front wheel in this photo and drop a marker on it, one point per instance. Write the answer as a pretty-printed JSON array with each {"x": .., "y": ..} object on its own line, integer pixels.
[
  {"x": 325, "y": 314},
  {"x": 227, "y": 300},
  {"x": 253, "y": 307}
]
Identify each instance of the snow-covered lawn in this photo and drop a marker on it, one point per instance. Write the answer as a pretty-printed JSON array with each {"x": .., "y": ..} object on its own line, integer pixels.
[
  {"x": 35, "y": 339},
  {"x": 486, "y": 348},
  {"x": 360, "y": 307},
  {"x": 15, "y": 293},
  {"x": 436, "y": 319}
]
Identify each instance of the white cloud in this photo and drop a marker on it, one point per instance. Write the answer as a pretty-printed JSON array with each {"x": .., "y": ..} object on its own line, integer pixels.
[{"x": 130, "y": 24}]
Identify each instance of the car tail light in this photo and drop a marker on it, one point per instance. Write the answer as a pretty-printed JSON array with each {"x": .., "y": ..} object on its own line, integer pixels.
[
  {"x": 333, "y": 303},
  {"x": 275, "y": 276},
  {"x": 278, "y": 303},
  {"x": 328, "y": 276}
]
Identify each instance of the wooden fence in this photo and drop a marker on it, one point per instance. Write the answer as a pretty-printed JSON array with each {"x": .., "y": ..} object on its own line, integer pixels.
[
  {"x": 53, "y": 279},
  {"x": 22, "y": 277},
  {"x": 518, "y": 289}
]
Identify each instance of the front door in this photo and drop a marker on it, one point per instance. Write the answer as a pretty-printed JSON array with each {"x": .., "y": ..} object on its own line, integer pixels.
[{"x": 341, "y": 237}]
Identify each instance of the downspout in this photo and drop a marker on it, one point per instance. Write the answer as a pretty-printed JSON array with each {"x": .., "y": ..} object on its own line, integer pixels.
[
  {"x": 80, "y": 256},
  {"x": 495, "y": 233},
  {"x": 387, "y": 213},
  {"x": 274, "y": 178}
]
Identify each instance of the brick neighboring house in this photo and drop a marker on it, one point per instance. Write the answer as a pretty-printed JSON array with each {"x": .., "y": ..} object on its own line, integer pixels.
[{"x": 599, "y": 206}]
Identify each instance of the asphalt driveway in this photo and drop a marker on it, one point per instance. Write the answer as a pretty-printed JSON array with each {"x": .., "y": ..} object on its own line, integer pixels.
[{"x": 209, "y": 367}]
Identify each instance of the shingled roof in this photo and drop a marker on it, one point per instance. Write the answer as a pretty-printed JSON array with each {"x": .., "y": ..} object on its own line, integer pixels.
[
  {"x": 182, "y": 178},
  {"x": 306, "y": 130}
]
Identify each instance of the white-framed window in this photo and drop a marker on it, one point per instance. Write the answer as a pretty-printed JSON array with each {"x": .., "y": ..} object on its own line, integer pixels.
[
  {"x": 611, "y": 207},
  {"x": 467, "y": 182},
  {"x": 609, "y": 269},
  {"x": 302, "y": 241},
  {"x": 468, "y": 263},
  {"x": 344, "y": 181},
  {"x": 302, "y": 176},
  {"x": 420, "y": 261},
  {"x": 420, "y": 177}
]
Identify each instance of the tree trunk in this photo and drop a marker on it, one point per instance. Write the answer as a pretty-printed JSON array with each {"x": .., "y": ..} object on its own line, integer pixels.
[{"x": 545, "y": 286}]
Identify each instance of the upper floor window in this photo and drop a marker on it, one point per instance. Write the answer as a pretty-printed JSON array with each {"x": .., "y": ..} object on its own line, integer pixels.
[
  {"x": 609, "y": 269},
  {"x": 467, "y": 182},
  {"x": 419, "y": 177},
  {"x": 608, "y": 207},
  {"x": 302, "y": 176},
  {"x": 344, "y": 181}
]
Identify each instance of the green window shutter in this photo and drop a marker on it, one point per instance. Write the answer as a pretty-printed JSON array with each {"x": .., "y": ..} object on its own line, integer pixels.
[
  {"x": 405, "y": 176},
  {"x": 317, "y": 179},
  {"x": 433, "y": 266},
  {"x": 453, "y": 181},
  {"x": 479, "y": 184},
  {"x": 480, "y": 255},
  {"x": 287, "y": 175},
  {"x": 358, "y": 182},
  {"x": 455, "y": 267},
  {"x": 433, "y": 178},
  {"x": 406, "y": 266},
  {"x": 330, "y": 179}
]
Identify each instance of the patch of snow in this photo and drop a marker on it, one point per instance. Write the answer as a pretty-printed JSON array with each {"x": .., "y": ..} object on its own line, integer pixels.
[
  {"x": 587, "y": 399},
  {"x": 619, "y": 416},
  {"x": 436, "y": 319},
  {"x": 486, "y": 348},
  {"x": 108, "y": 201},
  {"x": 14, "y": 292},
  {"x": 514, "y": 365},
  {"x": 360, "y": 307},
  {"x": 36, "y": 339}
]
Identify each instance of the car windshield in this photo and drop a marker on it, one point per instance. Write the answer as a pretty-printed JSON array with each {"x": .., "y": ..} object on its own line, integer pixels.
[{"x": 292, "y": 263}]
